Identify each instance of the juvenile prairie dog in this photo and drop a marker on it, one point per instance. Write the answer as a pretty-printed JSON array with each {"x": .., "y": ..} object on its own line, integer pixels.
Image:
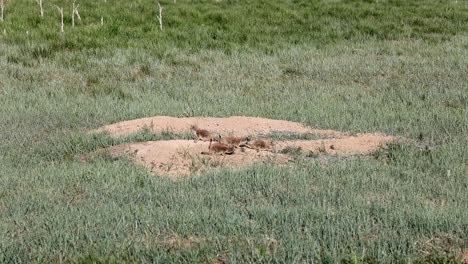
[
  {"x": 261, "y": 144},
  {"x": 235, "y": 141},
  {"x": 201, "y": 134},
  {"x": 219, "y": 148}
]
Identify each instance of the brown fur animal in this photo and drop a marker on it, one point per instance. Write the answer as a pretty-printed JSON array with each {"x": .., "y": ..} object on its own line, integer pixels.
[
  {"x": 261, "y": 144},
  {"x": 201, "y": 134},
  {"x": 219, "y": 148},
  {"x": 235, "y": 141}
]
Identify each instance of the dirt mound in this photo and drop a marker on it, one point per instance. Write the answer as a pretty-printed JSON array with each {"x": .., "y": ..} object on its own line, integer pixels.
[
  {"x": 234, "y": 125},
  {"x": 359, "y": 144},
  {"x": 183, "y": 157}
]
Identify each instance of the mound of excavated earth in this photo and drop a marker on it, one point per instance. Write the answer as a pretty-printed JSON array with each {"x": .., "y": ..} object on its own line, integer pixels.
[
  {"x": 235, "y": 125},
  {"x": 183, "y": 157}
]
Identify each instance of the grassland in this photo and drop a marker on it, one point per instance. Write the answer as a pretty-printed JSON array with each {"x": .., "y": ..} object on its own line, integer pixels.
[{"x": 399, "y": 67}]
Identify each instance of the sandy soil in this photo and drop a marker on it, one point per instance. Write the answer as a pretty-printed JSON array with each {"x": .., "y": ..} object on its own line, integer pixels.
[
  {"x": 234, "y": 125},
  {"x": 359, "y": 144},
  {"x": 464, "y": 256},
  {"x": 183, "y": 157}
]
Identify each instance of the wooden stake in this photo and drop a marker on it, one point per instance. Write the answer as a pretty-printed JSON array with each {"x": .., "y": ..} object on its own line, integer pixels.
[
  {"x": 2, "y": 8},
  {"x": 75, "y": 12},
  {"x": 40, "y": 6},
  {"x": 160, "y": 17},
  {"x": 61, "y": 16}
]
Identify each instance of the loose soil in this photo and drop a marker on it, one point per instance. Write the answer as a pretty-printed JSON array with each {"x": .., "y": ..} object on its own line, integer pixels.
[
  {"x": 183, "y": 157},
  {"x": 235, "y": 125}
]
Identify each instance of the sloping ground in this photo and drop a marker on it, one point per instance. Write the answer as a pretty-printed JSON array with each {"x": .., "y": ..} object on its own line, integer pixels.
[
  {"x": 359, "y": 144},
  {"x": 234, "y": 125},
  {"x": 183, "y": 157}
]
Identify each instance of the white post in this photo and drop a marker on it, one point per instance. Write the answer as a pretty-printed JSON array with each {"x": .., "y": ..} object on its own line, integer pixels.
[
  {"x": 40, "y": 6},
  {"x": 160, "y": 17},
  {"x": 61, "y": 16},
  {"x": 73, "y": 16},
  {"x": 2, "y": 7},
  {"x": 102, "y": 18},
  {"x": 75, "y": 12}
]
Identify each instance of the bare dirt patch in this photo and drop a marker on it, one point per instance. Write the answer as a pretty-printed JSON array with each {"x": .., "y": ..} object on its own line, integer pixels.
[
  {"x": 347, "y": 145},
  {"x": 464, "y": 256},
  {"x": 235, "y": 125},
  {"x": 183, "y": 157}
]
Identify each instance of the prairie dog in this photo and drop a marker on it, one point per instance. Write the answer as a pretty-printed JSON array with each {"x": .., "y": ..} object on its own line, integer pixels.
[
  {"x": 219, "y": 148},
  {"x": 201, "y": 134},
  {"x": 235, "y": 141},
  {"x": 261, "y": 144}
]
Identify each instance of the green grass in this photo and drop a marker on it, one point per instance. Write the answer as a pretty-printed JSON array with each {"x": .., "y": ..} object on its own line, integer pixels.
[
  {"x": 287, "y": 135},
  {"x": 398, "y": 67},
  {"x": 235, "y": 25}
]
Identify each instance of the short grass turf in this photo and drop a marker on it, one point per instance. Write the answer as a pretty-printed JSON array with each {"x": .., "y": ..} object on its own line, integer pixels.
[{"x": 398, "y": 67}]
